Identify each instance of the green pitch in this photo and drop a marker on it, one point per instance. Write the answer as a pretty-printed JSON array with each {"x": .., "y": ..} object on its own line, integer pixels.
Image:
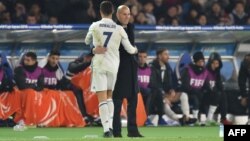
[{"x": 95, "y": 133}]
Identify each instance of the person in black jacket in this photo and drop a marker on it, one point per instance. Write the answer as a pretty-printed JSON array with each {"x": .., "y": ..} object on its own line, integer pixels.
[
  {"x": 127, "y": 82},
  {"x": 74, "y": 67},
  {"x": 6, "y": 83},
  {"x": 161, "y": 82},
  {"x": 52, "y": 71},
  {"x": 244, "y": 83},
  {"x": 217, "y": 96},
  {"x": 194, "y": 82},
  {"x": 29, "y": 74}
]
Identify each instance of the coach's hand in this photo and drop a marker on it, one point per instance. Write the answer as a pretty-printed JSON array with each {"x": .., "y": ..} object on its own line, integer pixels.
[{"x": 99, "y": 50}]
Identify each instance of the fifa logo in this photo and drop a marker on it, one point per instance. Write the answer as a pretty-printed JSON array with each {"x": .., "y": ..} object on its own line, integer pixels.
[
  {"x": 50, "y": 81},
  {"x": 31, "y": 81},
  {"x": 196, "y": 82},
  {"x": 143, "y": 78}
]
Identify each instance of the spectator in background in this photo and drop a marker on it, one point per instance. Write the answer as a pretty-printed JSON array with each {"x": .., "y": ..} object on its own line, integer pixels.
[
  {"x": 91, "y": 13},
  {"x": 135, "y": 3},
  {"x": 191, "y": 18},
  {"x": 53, "y": 20},
  {"x": 132, "y": 19},
  {"x": 141, "y": 18},
  {"x": 144, "y": 73},
  {"x": 2, "y": 7},
  {"x": 148, "y": 9},
  {"x": 134, "y": 10},
  {"x": 172, "y": 2},
  {"x": 36, "y": 11},
  {"x": 31, "y": 19},
  {"x": 238, "y": 15},
  {"x": 172, "y": 13},
  {"x": 202, "y": 20},
  {"x": 215, "y": 16},
  {"x": 5, "y": 17},
  {"x": 248, "y": 21},
  {"x": 159, "y": 9},
  {"x": 19, "y": 16},
  {"x": 175, "y": 22},
  {"x": 195, "y": 4}
]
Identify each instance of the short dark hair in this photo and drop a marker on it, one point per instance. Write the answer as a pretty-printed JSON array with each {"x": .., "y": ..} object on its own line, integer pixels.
[
  {"x": 32, "y": 55},
  {"x": 106, "y": 8},
  {"x": 142, "y": 51},
  {"x": 160, "y": 51},
  {"x": 54, "y": 52},
  {"x": 240, "y": 2}
]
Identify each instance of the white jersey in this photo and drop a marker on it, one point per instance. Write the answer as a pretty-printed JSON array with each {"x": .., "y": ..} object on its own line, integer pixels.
[{"x": 110, "y": 35}]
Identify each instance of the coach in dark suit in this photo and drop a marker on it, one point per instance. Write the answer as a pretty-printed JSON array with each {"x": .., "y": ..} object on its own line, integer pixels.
[{"x": 126, "y": 84}]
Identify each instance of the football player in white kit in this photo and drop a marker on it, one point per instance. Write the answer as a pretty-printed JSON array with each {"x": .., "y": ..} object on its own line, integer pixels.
[{"x": 106, "y": 33}]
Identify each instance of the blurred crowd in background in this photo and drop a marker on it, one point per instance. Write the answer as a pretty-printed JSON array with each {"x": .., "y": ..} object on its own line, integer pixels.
[{"x": 143, "y": 12}]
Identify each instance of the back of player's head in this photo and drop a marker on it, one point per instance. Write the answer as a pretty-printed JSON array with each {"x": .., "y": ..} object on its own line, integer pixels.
[
  {"x": 32, "y": 55},
  {"x": 106, "y": 8},
  {"x": 54, "y": 52}
]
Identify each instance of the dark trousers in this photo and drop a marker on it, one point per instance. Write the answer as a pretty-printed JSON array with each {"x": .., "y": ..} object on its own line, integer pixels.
[
  {"x": 248, "y": 105},
  {"x": 195, "y": 100},
  {"x": 223, "y": 105},
  {"x": 145, "y": 95},
  {"x": 131, "y": 113},
  {"x": 156, "y": 105},
  {"x": 79, "y": 97},
  {"x": 210, "y": 99}
]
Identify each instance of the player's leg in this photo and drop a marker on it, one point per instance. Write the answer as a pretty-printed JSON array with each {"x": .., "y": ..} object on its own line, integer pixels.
[
  {"x": 214, "y": 101},
  {"x": 111, "y": 108},
  {"x": 195, "y": 102},
  {"x": 111, "y": 85},
  {"x": 99, "y": 85},
  {"x": 103, "y": 109}
]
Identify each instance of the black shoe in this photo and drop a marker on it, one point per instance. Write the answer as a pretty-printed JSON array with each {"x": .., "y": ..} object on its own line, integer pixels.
[
  {"x": 191, "y": 121},
  {"x": 107, "y": 134},
  {"x": 135, "y": 135},
  {"x": 117, "y": 135},
  {"x": 182, "y": 120}
]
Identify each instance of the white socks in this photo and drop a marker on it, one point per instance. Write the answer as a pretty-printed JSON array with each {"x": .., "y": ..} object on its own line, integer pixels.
[
  {"x": 111, "y": 112},
  {"x": 195, "y": 114},
  {"x": 169, "y": 112},
  {"x": 184, "y": 104},
  {"x": 104, "y": 114},
  {"x": 211, "y": 112}
]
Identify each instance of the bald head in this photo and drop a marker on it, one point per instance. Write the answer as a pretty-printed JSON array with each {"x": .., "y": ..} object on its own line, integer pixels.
[
  {"x": 121, "y": 8},
  {"x": 123, "y": 14}
]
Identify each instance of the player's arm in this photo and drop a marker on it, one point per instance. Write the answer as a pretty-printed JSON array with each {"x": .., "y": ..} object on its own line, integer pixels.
[
  {"x": 126, "y": 43},
  {"x": 89, "y": 36}
]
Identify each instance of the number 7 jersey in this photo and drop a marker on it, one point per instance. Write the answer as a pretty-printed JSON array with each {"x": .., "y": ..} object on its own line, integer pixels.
[{"x": 108, "y": 34}]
